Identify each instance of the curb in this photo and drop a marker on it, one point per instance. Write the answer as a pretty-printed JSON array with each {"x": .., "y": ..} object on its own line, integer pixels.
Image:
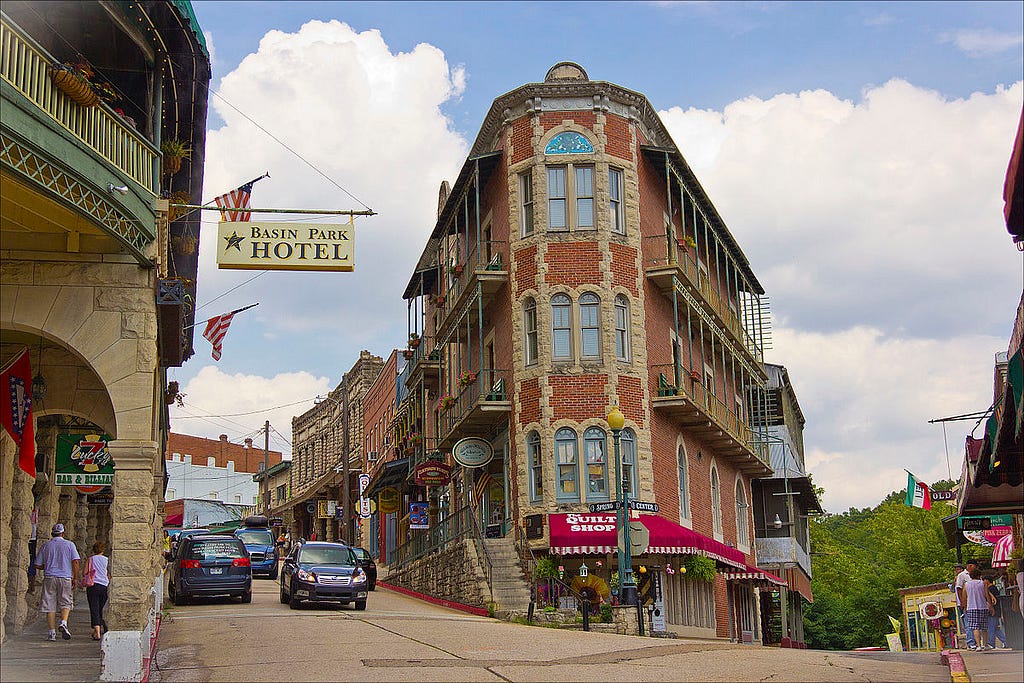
[
  {"x": 478, "y": 611},
  {"x": 957, "y": 669}
]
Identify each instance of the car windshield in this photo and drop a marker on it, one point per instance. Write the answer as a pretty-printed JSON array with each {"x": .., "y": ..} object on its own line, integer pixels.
[
  {"x": 256, "y": 537},
  {"x": 360, "y": 554},
  {"x": 326, "y": 555},
  {"x": 209, "y": 549}
]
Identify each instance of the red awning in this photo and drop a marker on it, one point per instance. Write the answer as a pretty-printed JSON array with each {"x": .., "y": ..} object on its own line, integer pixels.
[
  {"x": 754, "y": 574},
  {"x": 174, "y": 520},
  {"x": 584, "y": 534}
]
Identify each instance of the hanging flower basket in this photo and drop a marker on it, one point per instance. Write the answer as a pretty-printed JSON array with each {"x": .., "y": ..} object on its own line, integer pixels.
[
  {"x": 467, "y": 378},
  {"x": 183, "y": 245},
  {"x": 456, "y": 270},
  {"x": 74, "y": 85},
  {"x": 407, "y": 354},
  {"x": 414, "y": 342}
]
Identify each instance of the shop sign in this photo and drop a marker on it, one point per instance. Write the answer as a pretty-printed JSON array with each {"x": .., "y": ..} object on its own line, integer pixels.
[
  {"x": 942, "y": 495},
  {"x": 364, "y": 481},
  {"x": 325, "y": 509},
  {"x": 418, "y": 515},
  {"x": 472, "y": 452},
  {"x": 104, "y": 497},
  {"x": 388, "y": 500},
  {"x": 643, "y": 506},
  {"x": 83, "y": 460},
  {"x": 364, "y": 508},
  {"x": 433, "y": 474},
  {"x": 258, "y": 245}
]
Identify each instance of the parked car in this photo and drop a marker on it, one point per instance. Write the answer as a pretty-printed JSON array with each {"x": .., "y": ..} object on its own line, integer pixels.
[
  {"x": 178, "y": 535},
  {"x": 323, "y": 572},
  {"x": 208, "y": 565},
  {"x": 262, "y": 546},
  {"x": 369, "y": 566}
]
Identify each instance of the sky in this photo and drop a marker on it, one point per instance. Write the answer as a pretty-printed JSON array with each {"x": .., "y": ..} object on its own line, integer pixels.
[{"x": 856, "y": 151}]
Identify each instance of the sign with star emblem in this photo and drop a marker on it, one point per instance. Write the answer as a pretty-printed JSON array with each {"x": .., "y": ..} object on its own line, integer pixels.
[{"x": 258, "y": 245}]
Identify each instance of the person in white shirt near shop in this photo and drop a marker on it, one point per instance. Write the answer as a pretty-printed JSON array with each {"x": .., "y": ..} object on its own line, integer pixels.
[{"x": 58, "y": 561}]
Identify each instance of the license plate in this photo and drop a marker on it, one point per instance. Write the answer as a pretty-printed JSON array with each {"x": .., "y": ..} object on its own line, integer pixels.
[{"x": 217, "y": 570}]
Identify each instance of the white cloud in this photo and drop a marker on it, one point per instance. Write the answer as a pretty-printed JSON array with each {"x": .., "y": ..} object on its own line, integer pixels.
[
  {"x": 876, "y": 228},
  {"x": 983, "y": 42},
  {"x": 216, "y": 403}
]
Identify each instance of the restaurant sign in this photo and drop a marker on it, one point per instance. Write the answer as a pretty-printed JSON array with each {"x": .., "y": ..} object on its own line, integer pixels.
[
  {"x": 388, "y": 500},
  {"x": 472, "y": 452},
  {"x": 83, "y": 460},
  {"x": 433, "y": 474},
  {"x": 257, "y": 245}
]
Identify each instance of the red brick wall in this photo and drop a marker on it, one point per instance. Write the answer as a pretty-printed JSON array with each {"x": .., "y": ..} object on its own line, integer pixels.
[
  {"x": 573, "y": 263},
  {"x": 721, "y": 607},
  {"x": 624, "y": 270},
  {"x": 526, "y": 269},
  {"x": 529, "y": 399},
  {"x": 616, "y": 130},
  {"x": 631, "y": 399},
  {"x": 549, "y": 120},
  {"x": 379, "y": 409},
  {"x": 578, "y": 396},
  {"x": 247, "y": 458},
  {"x": 522, "y": 139}
]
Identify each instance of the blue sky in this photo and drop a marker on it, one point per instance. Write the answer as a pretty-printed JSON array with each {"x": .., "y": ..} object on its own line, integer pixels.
[{"x": 856, "y": 150}]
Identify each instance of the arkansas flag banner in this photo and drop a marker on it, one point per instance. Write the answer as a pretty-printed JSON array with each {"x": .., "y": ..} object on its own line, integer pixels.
[
  {"x": 16, "y": 410},
  {"x": 918, "y": 495}
]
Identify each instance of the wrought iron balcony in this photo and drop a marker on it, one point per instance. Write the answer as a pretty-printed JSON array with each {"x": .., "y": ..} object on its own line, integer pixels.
[
  {"x": 690, "y": 404},
  {"x": 424, "y": 364},
  {"x": 474, "y": 409},
  {"x": 470, "y": 288}
]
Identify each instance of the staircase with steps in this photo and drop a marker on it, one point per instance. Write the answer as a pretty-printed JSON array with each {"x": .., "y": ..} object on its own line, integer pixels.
[{"x": 508, "y": 587}]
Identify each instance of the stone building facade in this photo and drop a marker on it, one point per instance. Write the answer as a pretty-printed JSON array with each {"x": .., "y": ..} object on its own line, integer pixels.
[
  {"x": 577, "y": 265},
  {"x": 91, "y": 284},
  {"x": 327, "y": 444}
]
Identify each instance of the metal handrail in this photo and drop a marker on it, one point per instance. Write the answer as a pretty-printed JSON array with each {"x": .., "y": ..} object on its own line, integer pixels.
[
  {"x": 481, "y": 550},
  {"x": 474, "y": 263},
  {"x": 489, "y": 385}
]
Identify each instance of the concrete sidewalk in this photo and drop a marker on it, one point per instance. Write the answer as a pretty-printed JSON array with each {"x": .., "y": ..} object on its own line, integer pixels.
[
  {"x": 28, "y": 656},
  {"x": 980, "y": 667}
]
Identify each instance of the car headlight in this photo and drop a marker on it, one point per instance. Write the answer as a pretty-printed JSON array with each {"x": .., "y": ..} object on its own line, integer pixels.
[
  {"x": 306, "y": 576},
  {"x": 359, "y": 576}
]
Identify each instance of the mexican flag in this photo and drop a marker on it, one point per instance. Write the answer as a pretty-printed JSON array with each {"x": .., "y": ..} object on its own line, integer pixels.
[{"x": 917, "y": 493}]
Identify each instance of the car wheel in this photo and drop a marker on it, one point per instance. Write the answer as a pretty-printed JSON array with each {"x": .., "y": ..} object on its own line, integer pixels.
[
  {"x": 246, "y": 597},
  {"x": 360, "y": 604},
  {"x": 293, "y": 600},
  {"x": 284, "y": 597}
]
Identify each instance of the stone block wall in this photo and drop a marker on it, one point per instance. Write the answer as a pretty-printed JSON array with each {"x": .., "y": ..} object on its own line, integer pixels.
[{"x": 451, "y": 574}]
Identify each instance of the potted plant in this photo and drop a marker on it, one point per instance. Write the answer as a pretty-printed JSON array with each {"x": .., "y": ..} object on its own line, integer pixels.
[
  {"x": 439, "y": 300},
  {"x": 414, "y": 340},
  {"x": 174, "y": 152},
  {"x": 694, "y": 375},
  {"x": 467, "y": 378},
  {"x": 445, "y": 403},
  {"x": 74, "y": 81},
  {"x": 175, "y": 212},
  {"x": 455, "y": 269},
  {"x": 686, "y": 242},
  {"x": 183, "y": 245},
  {"x": 407, "y": 354}
]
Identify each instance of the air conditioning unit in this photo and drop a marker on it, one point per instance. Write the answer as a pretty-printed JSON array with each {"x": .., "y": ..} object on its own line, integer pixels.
[
  {"x": 931, "y": 610},
  {"x": 371, "y": 456},
  {"x": 387, "y": 439}
]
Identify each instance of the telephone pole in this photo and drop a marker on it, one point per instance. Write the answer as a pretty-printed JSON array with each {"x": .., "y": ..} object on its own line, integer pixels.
[{"x": 266, "y": 459}]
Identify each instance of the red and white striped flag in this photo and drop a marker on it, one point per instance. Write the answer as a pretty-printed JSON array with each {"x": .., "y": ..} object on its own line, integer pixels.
[
  {"x": 216, "y": 329},
  {"x": 236, "y": 199}
]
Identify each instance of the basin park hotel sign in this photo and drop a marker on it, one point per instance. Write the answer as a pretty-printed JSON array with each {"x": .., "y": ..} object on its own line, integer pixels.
[{"x": 285, "y": 246}]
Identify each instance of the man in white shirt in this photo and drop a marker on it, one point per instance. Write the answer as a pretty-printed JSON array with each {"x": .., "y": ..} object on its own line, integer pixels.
[
  {"x": 59, "y": 562},
  {"x": 961, "y": 598}
]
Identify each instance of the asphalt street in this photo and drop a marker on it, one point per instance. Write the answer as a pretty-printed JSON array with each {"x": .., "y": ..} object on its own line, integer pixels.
[{"x": 399, "y": 638}]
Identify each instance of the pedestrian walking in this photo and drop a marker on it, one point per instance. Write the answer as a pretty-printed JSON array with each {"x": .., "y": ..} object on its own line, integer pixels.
[
  {"x": 978, "y": 608},
  {"x": 995, "y": 616},
  {"x": 1020, "y": 586},
  {"x": 96, "y": 579},
  {"x": 962, "y": 577},
  {"x": 58, "y": 560}
]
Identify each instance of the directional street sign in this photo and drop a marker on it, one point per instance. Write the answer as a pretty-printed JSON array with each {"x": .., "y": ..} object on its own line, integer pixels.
[
  {"x": 610, "y": 506},
  {"x": 642, "y": 506}
]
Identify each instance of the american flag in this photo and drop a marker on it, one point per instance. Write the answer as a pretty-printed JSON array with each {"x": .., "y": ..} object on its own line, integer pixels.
[
  {"x": 216, "y": 329},
  {"x": 236, "y": 199}
]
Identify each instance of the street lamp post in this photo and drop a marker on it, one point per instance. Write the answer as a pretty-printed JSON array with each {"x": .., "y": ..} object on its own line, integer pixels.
[{"x": 627, "y": 587}]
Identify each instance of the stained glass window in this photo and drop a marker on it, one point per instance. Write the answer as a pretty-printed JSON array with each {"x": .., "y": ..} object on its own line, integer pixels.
[{"x": 569, "y": 142}]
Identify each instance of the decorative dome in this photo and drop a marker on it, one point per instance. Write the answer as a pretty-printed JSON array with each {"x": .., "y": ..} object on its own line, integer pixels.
[{"x": 566, "y": 71}]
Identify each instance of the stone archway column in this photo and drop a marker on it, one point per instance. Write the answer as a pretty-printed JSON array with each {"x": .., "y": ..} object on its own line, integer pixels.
[
  {"x": 82, "y": 526},
  {"x": 8, "y": 456},
  {"x": 46, "y": 442},
  {"x": 17, "y": 553},
  {"x": 133, "y": 546},
  {"x": 66, "y": 511}
]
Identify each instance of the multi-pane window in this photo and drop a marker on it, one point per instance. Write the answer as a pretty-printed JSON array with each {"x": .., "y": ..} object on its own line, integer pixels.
[
  {"x": 716, "y": 502},
  {"x": 536, "y": 467},
  {"x": 557, "y": 219},
  {"x": 684, "y": 484},
  {"x": 742, "y": 525},
  {"x": 526, "y": 203},
  {"x": 595, "y": 457},
  {"x": 561, "y": 327},
  {"x": 615, "y": 210},
  {"x": 590, "y": 325},
  {"x": 584, "y": 187},
  {"x": 565, "y": 464},
  {"x": 627, "y": 449},
  {"x": 530, "y": 331},
  {"x": 621, "y": 328}
]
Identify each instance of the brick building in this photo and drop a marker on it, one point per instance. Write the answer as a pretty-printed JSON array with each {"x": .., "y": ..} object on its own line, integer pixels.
[
  {"x": 576, "y": 265},
  {"x": 218, "y": 452}
]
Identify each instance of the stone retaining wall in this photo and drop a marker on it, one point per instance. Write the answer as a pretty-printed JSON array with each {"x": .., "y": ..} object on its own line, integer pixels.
[{"x": 451, "y": 574}]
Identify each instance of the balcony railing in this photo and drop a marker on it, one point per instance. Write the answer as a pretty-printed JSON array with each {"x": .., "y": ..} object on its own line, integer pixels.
[
  {"x": 25, "y": 65},
  {"x": 687, "y": 394},
  {"x": 664, "y": 258},
  {"x": 486, "y": 271},
  {"x": 474, "y": 408}
]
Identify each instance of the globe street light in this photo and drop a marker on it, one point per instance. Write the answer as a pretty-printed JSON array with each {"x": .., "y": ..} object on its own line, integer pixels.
[{"x": 627, "y": 587}]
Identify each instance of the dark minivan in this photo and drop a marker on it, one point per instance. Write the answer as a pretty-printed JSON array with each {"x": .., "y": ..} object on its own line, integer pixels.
[{"x": 208, "y": 565}]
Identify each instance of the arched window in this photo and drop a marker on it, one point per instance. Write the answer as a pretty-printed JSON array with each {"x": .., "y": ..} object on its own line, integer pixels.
[
  {"x": 530, "y": 331},
  {"x": 716, "y": 502},
  {"x": 621, "y": 328},
  {"x": 536, "y": 467},
  {"x": 595, "y": 455},
  {"x": 590, "y": 325},
  {"x": 565, "y": 465},
  {"x": 684, "y": 483},
  {"x": 561, "y": 327},
  {"x": 569, "y": 142},
  {"x": 742, "y": 524},
  {"x": 627, "y": 446}
]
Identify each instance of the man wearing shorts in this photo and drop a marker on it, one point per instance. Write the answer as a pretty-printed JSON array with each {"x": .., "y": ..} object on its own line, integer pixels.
[{"x": 58, "y": 561}]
